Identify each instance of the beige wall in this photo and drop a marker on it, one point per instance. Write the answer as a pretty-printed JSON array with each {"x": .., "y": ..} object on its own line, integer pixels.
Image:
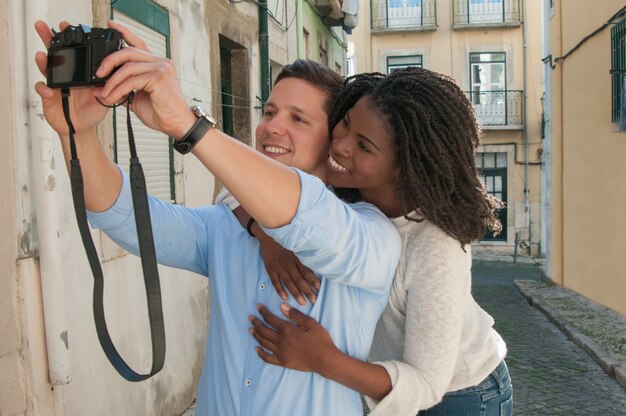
[
  {"x": 12, "y": 379},
  {"x": 593, "y": 169},
  {"x": 447, "y": 51},
  {"x": 30, "y": 261}
]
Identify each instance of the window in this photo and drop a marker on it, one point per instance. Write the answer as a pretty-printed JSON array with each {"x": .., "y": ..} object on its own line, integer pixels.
[
  {"x": 488, "y": 86},
  {"x": 226, "y": 84},
  {"x": 492, "y": 168},
  {"x": 322, "y": 49},
  {"x": 150, "y": 22},
  {"x": 618, "y": 72},
  {"x": 306, "y": 36},
  {"x": 397, "y": 62},
  {"x": 404, "y": 13},
  {"x": 486, "y": 11}
]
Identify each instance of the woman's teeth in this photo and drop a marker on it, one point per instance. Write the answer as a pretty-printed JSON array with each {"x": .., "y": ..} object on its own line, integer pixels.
[
  {"x": 275, "y": 150},
  {"x": 336, "y": 164}
]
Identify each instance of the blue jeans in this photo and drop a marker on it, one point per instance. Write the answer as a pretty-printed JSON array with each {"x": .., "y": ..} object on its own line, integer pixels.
[{"x": 492, "y": 397}]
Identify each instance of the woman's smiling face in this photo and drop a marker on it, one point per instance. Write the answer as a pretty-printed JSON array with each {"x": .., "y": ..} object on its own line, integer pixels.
[{"x": 363, "y": 153}]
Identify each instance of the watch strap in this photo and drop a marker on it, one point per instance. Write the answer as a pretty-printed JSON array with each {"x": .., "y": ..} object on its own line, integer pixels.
[{"x": 193, "y": 136}]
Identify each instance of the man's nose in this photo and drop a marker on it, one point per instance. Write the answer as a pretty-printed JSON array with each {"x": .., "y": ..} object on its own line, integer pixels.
[{"x": 277, "y": 125}]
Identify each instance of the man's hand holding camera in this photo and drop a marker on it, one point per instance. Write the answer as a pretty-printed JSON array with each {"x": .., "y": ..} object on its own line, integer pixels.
[{"x": 159, "y": 102}]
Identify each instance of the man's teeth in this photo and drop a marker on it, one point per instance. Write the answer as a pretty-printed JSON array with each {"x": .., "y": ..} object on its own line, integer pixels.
[
  {"x": 275, "y": 150},
  {"x": 336, "y": 164}
]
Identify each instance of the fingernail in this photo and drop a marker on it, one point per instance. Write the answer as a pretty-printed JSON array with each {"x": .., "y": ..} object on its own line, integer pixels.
[
  {"x": 313, "y": 299},
  {"x": 284, "y": 307},
  {"x": 284, "y": 296},
  {"x": 258, "y": 306},
  {"x": 250, "y": 318},
  {"x": 301, "y": 301},
  {"x": 99, "y": 72},
  {"x": 251, "y": 331}
]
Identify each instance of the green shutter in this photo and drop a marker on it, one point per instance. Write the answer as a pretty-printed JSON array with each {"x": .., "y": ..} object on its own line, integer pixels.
[{"x": 618, "y": 66}]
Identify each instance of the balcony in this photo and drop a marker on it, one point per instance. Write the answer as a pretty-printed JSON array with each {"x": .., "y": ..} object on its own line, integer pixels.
[
  {"x": 498, "y": 110},
  {"x": 403, "y": 15},
  {"x": 469, "y": 14}
]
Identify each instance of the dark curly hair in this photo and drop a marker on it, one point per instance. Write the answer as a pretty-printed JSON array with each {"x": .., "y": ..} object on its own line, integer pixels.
[{"x": 436, "y": 136}]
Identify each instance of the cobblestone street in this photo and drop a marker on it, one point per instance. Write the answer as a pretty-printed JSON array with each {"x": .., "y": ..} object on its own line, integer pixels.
[{"x": 551, "y": 375}]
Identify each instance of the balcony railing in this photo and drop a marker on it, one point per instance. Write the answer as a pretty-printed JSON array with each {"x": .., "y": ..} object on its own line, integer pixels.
[
  {"x": 471, "y": 13},
  {"x": 498, "y": 108},
  {"x": 403, "y": 15}
]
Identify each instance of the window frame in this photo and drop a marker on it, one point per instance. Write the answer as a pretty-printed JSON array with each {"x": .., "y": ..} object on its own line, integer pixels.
[
  {"x": 391, "y": 67},
  {"x": 496, "y": 171}
]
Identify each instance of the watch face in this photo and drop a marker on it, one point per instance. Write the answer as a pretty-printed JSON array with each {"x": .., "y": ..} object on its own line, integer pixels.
[{"x": 199, "y": 112}]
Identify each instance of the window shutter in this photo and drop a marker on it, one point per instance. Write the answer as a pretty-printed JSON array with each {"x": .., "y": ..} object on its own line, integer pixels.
[{"x": 153, "y": 148}]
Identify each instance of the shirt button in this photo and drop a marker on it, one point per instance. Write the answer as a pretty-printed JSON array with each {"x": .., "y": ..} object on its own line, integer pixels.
[
  {"x": 248, "y": 382},
  {"x": 262, "y": 286}
]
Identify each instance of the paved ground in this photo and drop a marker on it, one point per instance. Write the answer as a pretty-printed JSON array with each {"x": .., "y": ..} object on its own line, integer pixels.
[{"x": 551, "y": 375}]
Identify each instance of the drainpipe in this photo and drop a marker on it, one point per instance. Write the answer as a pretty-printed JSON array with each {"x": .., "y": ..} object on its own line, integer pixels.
[
  {"x": 264, "y": 52},
  {"x": 49, "y": 210},
  {"x": 525, "y": 133},
  {"x": 299, "y": 30}
]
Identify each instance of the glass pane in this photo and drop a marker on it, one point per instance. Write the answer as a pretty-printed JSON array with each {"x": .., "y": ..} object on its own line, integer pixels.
[
  {"x": 478, "y": 160},
  {"x": 498, "y": 183},
  {"x": 497, "y": 74},
  {"x": 489, "y": 160},
  {"x": 501, "y": 160},
  {"x": 404, "y": 60},
  {"x": 490, "y": 184}
]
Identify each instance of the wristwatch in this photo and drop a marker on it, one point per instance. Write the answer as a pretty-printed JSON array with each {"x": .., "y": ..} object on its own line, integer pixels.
[{"x": 196, "y": 132}]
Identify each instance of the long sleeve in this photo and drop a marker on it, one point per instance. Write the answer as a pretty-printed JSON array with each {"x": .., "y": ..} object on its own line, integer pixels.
[
  {"x": 179, "y": 232},
  {"x": 445, "y": 342},
  {"x": 354, "y": 244}
]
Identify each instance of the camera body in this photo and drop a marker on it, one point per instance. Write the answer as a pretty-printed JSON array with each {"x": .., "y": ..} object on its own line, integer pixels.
[{"x": 75, "y": 54}]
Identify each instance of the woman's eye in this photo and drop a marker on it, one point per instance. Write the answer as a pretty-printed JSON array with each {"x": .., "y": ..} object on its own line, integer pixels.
[
  {"x": 268, "y": 113},
  {"x": 363, "y": 148}
]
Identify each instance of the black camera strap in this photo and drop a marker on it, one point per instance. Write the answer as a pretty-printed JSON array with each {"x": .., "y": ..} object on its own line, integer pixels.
[{"x": 146, "y": 250}]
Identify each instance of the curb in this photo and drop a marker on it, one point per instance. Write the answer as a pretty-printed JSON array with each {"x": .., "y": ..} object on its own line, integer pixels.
[{"x": 609, "y": 364}]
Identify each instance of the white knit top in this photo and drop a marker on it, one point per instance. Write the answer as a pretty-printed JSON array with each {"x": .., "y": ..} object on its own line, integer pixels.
[{"x": 432, "y": 338}]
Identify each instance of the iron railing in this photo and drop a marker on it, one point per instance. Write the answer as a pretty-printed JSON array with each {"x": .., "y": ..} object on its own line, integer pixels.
[
  {"x": 485, "y": 12},
  {"x": 403, "y": 14},
  {"x": 498, "y": 108}
]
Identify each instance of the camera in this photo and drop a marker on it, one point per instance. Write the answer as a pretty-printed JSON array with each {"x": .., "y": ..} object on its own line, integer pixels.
[{"x": 76, "y": 53}]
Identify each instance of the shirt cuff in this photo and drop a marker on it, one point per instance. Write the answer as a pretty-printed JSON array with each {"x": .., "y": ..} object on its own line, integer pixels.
[
  {"x": 311, "y": 191},
  {"x": 119, "y": 212}
]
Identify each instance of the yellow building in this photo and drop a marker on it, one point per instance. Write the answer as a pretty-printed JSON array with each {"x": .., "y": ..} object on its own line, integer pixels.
[
  {"x": 496, "y": 58},
  {"x": 585, "y": 195}
]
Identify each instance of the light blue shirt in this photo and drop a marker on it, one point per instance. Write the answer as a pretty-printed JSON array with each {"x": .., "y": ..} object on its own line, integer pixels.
[{"x": 354, "y": 249}]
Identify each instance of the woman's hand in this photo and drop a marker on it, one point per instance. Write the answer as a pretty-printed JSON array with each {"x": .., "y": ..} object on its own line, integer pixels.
[
  {"x": 299, "y": 344},
  {"x": 285, "y": 269},
  {"x": 85, "y": 111}
]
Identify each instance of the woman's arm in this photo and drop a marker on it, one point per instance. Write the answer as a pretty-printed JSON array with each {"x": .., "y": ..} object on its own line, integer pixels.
[{"x": 304, "y": 345}]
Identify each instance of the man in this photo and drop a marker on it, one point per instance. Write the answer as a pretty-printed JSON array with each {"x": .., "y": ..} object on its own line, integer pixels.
[{"x": 211, "y": 241}]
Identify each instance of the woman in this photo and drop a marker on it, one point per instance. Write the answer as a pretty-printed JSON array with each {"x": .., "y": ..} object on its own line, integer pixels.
[{"x": 433, "y": 346}]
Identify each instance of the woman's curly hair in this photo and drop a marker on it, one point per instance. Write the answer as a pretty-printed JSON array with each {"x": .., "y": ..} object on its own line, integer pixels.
[{"x": 436, "y": 136}]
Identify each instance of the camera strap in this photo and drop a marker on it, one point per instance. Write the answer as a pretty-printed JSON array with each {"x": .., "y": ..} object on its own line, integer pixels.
[{"x": 146, "y": 250}]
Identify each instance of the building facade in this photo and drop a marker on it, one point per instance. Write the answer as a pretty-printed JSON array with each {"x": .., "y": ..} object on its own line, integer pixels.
[
  {"x": 492, "y": 48},
  {"x": 51, "y": 362},
  {"x": 584, "y": 194}
]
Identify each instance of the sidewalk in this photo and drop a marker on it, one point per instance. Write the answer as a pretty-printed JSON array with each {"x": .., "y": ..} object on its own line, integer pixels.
[{"x": 596, "y": 329}]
